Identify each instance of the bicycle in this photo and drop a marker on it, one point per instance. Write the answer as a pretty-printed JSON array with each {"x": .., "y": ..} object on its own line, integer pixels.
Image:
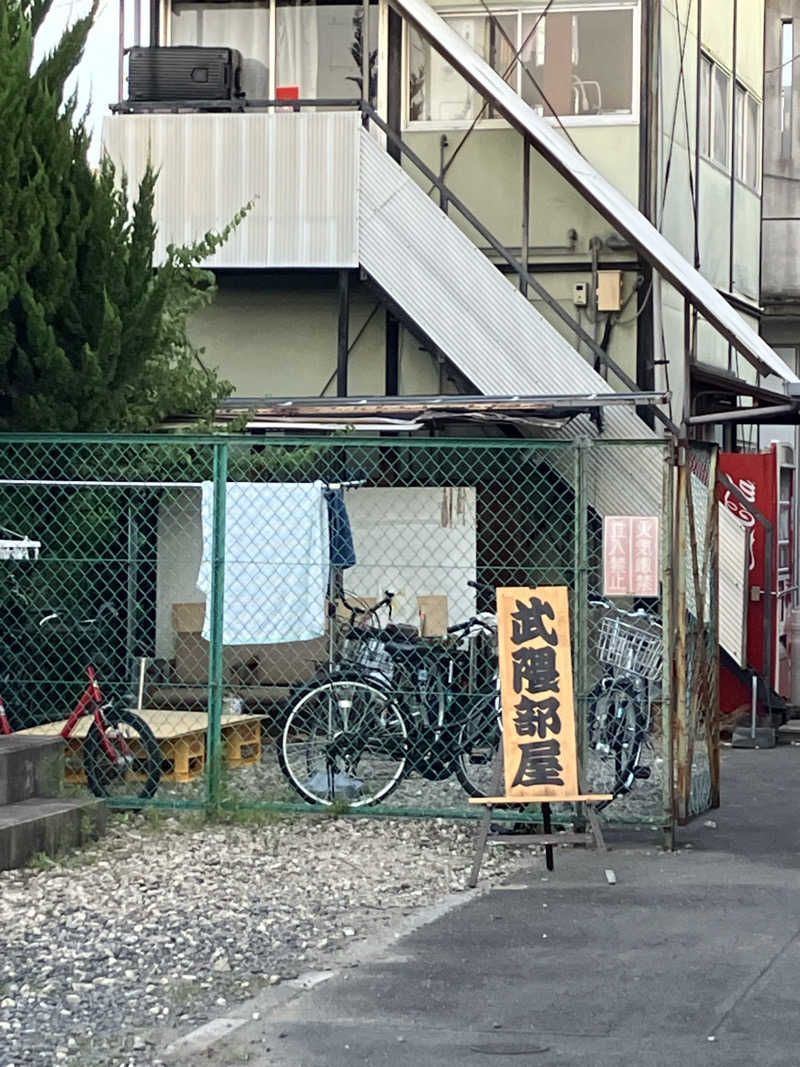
[
  {"x": 121, "y": 756},
  {"x": 394, "y": 703},
  {"x": 618, "y": 715}
]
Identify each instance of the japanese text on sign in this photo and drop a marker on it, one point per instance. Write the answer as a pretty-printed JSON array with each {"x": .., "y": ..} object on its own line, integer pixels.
[
  {"x": 631, "y": 564},
  {"x": 536, "y": 691}
]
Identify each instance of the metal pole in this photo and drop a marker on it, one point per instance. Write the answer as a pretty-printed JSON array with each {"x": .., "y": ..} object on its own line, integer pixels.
[
  {"x": 130, "y": 613},
  {"x": 121, "y": 52},
  {"x": 443, "y": 146},
  {"x": 392, "y": 345},
  {"x": 365, "y": 74},
  {"x": 712, "y": 653},
  {"x": 681, "y": 739},
  {"x": 216, "y": 606},
  {"x": 753, "y": 706},
  {"x": 770, "y": 600},
  {"x": 344, "y": 329},
  {"x": 667, "y": 616},
  {"x": 581, "y": 585},
  {"x": 526, "y": 207}
]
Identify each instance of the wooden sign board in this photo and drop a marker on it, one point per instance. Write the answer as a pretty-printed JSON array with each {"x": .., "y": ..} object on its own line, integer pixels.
[{"x": 539, "y": 740}]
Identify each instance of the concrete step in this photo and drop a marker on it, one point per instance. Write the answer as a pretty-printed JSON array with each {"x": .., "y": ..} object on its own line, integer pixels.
[
  {"x": 30, "y": 767},
  {"x": 50, "y": 825}
]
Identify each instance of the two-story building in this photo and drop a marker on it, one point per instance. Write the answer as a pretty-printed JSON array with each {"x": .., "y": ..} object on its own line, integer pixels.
[{"x": 342, "y": 281}]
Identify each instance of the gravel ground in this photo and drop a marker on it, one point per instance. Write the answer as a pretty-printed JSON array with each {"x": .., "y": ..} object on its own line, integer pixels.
[{"x": 167, "y": 922}]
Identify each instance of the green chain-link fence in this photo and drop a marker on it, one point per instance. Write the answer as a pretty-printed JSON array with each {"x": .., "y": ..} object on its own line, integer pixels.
[{"x": 275, "y": 615}]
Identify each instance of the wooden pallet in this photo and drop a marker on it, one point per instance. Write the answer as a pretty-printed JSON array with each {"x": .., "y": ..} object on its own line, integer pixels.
[
  {"x": 241, "y": 736},
  {"x": 181, "y": 736}
]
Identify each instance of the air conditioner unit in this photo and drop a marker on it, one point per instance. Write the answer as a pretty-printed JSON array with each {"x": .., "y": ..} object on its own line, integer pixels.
[{"x": 184, "y": 72}]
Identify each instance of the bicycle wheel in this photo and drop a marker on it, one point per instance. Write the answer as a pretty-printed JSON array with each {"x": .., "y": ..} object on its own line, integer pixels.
[
  {"x": 617, "y": 722},
  {"x": 424, "y": 700},
  {"x": 344, "y": 740},
  {"x": 135, "y": 769},
  {"x": 478, "y": 741}
]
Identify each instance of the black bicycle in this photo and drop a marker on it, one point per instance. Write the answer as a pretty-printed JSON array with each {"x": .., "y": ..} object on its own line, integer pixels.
[
  {"x": 395, "y": 703},
  {"x": 630, "y": 647}
]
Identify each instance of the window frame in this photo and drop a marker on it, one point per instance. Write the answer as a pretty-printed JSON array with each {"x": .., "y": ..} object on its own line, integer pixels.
[
  {"x": 520, "y": 9},
  {"x": 786, "y": 87},
  {"x": 707, "y": 107},
  {"x": 271, "y": 15},
  {"x": 743, "y": 94}
]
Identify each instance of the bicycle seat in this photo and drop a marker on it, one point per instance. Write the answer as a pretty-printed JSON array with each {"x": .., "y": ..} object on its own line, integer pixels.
[
  {"x": 403, "y": 630},
  {"x": 399, "y": 637}
]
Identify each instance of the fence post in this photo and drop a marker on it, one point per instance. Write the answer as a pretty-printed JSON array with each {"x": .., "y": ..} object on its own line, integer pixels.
[
  {"x": 581, "y": 587},
  {"x": 668, "y": 630},
  {"x": 680, "y": 736},
  {"x": 216, "y": 620},
  {"x": 712, "y": 645}
]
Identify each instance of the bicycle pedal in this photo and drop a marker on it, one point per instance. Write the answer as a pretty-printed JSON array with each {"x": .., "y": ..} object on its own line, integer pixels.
[{"x": 642, "y": 773}]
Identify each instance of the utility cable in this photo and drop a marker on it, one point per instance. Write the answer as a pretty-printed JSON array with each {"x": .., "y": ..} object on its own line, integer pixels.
[
  {"x": 780, "y": 66},
  {"x": 526, "y": 70},
  {"x": 668, "y": 168},
  {"x": 485, "y": 103}
]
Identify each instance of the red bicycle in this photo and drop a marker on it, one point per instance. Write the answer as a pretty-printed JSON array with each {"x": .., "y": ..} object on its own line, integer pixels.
[{"x": 121, "y": 756}]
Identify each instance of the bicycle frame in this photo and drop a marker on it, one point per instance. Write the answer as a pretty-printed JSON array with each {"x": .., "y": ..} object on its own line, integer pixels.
[{"x": 91, "y": 698}]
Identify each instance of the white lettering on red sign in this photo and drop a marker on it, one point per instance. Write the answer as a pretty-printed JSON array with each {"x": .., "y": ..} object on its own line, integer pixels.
[
  {"x": 745, "y": 517},
  {"x": 631, "y": 555}
]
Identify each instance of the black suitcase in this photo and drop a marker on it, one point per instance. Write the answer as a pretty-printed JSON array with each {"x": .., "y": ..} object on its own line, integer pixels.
[{"x": 184, "y": 72}]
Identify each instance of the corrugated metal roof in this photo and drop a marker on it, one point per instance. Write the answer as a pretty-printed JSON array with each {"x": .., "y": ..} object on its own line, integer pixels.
[{"x": 627, "y": 219}]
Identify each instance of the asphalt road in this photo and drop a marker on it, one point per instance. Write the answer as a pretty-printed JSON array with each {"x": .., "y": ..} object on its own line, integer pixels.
[{"x": 691, "y": 958}]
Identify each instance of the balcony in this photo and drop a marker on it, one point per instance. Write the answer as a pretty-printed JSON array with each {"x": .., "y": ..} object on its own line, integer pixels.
[{"x": 298, "y": 168}]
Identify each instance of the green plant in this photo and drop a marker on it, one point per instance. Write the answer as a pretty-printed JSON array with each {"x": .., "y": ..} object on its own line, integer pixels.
[
  {"x": 339, "y": 806},
  {"x": 93, "y": 332}
]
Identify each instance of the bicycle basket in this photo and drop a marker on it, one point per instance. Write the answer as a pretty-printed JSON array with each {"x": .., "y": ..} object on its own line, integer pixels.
[
  {"x": 632, "y": 647},
  {"x": 368, "y": 653}
]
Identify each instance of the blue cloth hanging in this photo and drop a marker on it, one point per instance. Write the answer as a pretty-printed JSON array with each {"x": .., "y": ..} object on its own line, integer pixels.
[{"x": 343, "y": 553}]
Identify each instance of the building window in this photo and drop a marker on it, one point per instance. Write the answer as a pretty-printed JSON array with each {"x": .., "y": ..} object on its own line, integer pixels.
[
  {"x": 720, "y": 116},
  {"x": 578, "y": 64},
  {"x": 316, "y": 52},
  {"x": 244, "y": 26},
  {"x": 706, "y": 67},
  {"x": 748, "y": 137},
  {"x": 715, "y": 109},
  {"x": 787, "y": 86}
]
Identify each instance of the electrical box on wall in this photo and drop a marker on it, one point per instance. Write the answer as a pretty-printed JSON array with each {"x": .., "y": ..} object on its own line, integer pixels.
[
  {"x": 609, "y": 290},
  {"x": 580, "y": 294}
]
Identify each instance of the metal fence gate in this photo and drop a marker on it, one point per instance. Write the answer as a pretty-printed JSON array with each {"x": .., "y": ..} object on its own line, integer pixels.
[{"x": 233, "y": 592}]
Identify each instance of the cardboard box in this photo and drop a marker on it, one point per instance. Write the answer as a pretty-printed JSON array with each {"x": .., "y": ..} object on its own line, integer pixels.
[{"x": 283, "y": 664}]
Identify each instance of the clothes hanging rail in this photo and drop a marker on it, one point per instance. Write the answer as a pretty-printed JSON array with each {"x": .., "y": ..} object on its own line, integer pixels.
[{"x": 87, "y": 484}]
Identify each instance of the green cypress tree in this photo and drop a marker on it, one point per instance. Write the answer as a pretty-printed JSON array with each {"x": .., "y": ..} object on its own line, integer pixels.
[{"x": 93, "y": 333}]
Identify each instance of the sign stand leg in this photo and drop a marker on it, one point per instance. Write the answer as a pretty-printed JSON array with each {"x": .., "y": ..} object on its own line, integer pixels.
[
  {"x": 486, "y": 821},
  {"x": 548, "y": 829},
  {"x": 547, "y": 839},
  {"x": 591, "y": 815}
]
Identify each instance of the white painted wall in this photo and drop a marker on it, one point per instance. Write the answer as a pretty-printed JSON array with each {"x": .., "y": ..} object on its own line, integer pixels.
[{"x": 416, "y": 542}]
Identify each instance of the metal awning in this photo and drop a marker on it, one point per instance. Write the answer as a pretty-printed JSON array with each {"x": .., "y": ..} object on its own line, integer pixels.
[
  {"x": 651, "y": 245},
  {"x": 387, "y": 413},
  {"x": 722, "y": 392}
]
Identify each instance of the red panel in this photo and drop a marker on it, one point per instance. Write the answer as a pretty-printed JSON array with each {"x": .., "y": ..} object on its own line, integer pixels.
[{"x": 755, "y": 475}]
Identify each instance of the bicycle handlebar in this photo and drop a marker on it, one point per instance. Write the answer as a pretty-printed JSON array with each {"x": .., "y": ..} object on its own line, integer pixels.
[
  {"x": 467, "y": 624},
  {"x": 105, "y": 611},
  {"x": 388, "y": 597},
  {"x": 640, "y": 614}
]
